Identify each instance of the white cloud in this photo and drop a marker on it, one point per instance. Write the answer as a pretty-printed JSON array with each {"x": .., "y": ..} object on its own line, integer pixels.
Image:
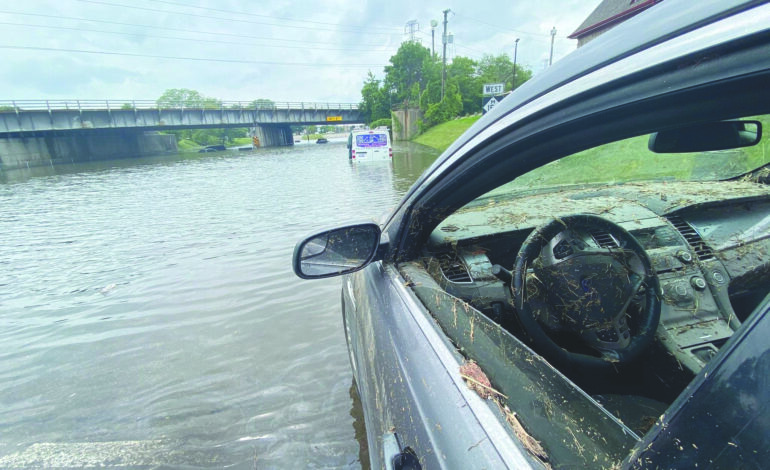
[{"x": 108, "y": 44}]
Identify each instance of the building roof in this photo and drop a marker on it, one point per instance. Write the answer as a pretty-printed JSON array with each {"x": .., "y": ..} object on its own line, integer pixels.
[{"x": 609, "y": 12}]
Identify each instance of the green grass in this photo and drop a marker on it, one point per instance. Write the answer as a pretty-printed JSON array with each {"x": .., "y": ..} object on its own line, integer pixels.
[
  {"x": 440, "y": 137},
  {"x": 186, "y": 144},
  {"x": 631, "y": 160},
  {"x": 240, "y": 141}
]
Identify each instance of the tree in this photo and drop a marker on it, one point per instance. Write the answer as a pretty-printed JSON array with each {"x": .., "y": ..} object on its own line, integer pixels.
[
  {"x": 446, "y": 109},
  {"x": 408, "y": 72},
  {"x": 499, "y": 69},
  {"x": 262, "y": 103},
  {"x": 185, "y": 98},
  {"x": 375, "y": 103},
  {"x": 522, "y": 75},
  {"x": 463, "y": 71}
]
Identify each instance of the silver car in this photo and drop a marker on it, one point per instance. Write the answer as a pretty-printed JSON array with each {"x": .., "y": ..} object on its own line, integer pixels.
[{"x": 581, "y": 280}]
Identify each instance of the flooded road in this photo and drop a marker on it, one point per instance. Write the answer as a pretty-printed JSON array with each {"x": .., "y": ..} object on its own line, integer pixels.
[{"x": 150, "y": 316}]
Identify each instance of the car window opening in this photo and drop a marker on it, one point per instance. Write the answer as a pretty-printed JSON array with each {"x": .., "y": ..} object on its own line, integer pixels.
[{"x": 673, "y": 235}]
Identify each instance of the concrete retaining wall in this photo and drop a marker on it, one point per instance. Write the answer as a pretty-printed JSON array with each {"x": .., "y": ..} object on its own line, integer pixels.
[
  {"x": 406, "y": 126},
  {"x": 25, "y": 152}
]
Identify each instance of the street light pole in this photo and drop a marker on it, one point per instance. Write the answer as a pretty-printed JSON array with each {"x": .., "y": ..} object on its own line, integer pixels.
[
  {"x": 443, "y": 60},
  {"x": 553, "y": 34},
  {"x": 515, "y": 52}
]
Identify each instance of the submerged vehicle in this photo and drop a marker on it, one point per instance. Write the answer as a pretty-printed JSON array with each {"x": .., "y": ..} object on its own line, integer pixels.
[
  {"x": 322, "y": 140},
  {"x": 370, "y": 145},
  {"x": 582, "y": 279},
  {"x": 212, "y": 148}
]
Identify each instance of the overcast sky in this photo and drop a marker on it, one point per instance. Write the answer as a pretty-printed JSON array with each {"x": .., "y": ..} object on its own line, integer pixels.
[{"x": 318, "y": 50}]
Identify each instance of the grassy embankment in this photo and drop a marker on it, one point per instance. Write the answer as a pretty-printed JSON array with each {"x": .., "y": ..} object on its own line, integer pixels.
[
  {"x": 440, "y": 137},
  {"x": 240, "y": 142},
  {"x": 187, "y": 144},
  {"x": 620, "y": 161}
]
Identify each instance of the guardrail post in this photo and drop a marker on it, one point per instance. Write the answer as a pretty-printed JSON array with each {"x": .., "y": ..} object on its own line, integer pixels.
[{"x": 50, "y": 114}]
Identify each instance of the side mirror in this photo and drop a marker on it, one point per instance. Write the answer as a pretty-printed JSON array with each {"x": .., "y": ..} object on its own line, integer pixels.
[
  {"x": 338, "y": 251},
  {"x": 705, "y": 137}
]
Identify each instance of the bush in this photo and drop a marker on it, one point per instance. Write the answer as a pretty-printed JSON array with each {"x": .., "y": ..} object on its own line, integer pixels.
[{"x": 385, "y": 122}]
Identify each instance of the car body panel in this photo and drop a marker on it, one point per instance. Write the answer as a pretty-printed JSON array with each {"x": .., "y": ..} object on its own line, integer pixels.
[
  {"x": 722, "y": 421},
  {"x": 414, "y": 370}
]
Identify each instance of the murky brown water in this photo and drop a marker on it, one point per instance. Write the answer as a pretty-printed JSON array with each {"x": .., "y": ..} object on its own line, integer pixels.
[{"x": 150, "y": 316}]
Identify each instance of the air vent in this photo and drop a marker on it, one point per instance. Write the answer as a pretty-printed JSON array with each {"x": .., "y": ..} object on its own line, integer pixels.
[
  {"x": 604, "y": 239},
  {"x": 454, "y": 269},
  {"x": 702, "y": 251}
]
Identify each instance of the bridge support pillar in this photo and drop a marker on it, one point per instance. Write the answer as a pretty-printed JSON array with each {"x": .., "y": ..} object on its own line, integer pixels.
[{"x": 274, "y": 135}]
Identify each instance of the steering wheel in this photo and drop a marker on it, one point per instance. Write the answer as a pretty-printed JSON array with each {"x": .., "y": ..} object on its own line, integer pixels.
[{"x": 568, "y": 285}]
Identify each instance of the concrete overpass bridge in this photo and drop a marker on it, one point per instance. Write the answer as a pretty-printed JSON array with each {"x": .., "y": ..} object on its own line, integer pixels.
[{"x": 35, "y": 132}]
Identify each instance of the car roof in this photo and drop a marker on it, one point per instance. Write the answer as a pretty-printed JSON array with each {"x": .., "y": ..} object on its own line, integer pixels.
[{"x": 656, "y": 25}]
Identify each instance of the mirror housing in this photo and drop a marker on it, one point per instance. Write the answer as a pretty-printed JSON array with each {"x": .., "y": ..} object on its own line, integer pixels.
[
  {"x": 721, "y": 135},
  {"x": 337, "y": 251}
]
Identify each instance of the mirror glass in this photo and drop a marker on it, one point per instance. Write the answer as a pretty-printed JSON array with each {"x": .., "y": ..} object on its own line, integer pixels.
[
  {"x": 337, "y": 251},
  {"x": 710, "y": 136}
]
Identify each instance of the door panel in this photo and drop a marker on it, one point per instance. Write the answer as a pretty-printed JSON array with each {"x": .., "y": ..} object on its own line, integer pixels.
[{"x": 409, "y": 382}]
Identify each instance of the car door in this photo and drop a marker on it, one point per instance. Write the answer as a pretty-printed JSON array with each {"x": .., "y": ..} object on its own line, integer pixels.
[{"x": 407, "y": 374}]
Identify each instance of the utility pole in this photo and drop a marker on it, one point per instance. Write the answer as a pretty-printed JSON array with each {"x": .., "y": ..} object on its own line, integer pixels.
[
  {"x": 443, "y": 73},
  {"x": 433, "y": 24},
  {"x": 515, "y": 52},
  {"x": 553, "y": 34}
]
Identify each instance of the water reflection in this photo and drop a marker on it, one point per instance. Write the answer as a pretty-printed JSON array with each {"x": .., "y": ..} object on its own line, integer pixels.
[
  {"x": 357, "y": 412},
  {"x": 409, "y": 161}
]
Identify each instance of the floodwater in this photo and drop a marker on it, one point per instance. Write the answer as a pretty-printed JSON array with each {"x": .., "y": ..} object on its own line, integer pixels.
[{"x": 150, "y": 318}]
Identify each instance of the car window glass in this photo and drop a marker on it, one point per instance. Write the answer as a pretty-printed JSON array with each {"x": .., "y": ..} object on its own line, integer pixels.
[{"x": 631, "y": 160}]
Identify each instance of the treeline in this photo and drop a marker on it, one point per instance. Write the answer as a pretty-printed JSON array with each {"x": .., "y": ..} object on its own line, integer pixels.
[{"x": 414, "y": 80}]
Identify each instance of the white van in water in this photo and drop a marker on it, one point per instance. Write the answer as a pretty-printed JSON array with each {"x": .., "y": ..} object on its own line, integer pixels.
[{"x": 369, "y": 145}]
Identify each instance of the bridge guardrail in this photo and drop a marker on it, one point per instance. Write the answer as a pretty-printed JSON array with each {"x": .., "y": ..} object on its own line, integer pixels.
[{"x": 112, "y": 105}]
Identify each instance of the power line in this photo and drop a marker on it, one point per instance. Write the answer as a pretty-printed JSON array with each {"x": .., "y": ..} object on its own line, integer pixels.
[
  {"x": 232, "y": 20},
  {"x": 198, "y": 59},
  {"x": 459, "y": 45},
  {"x": 271, "y": 17},
  {"x": 517, "y": 31},
  {"x": 217, "y": 33},
  {"x": 188, "y": 39}
]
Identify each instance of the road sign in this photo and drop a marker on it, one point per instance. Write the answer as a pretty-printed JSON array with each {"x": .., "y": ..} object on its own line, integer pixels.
[
  {"x": 333, "y": 118},
  {"x": 490, "y": 102},
  {"x": 493, "y": 88}
]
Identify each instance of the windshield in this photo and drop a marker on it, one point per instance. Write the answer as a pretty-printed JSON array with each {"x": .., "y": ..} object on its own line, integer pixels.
[
  {"x": 631, "y": 160},
  {"x": 371, "y": 140}
]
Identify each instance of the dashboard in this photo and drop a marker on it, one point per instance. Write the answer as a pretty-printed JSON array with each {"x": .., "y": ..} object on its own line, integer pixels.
[{"x": 708, "y": 243}]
